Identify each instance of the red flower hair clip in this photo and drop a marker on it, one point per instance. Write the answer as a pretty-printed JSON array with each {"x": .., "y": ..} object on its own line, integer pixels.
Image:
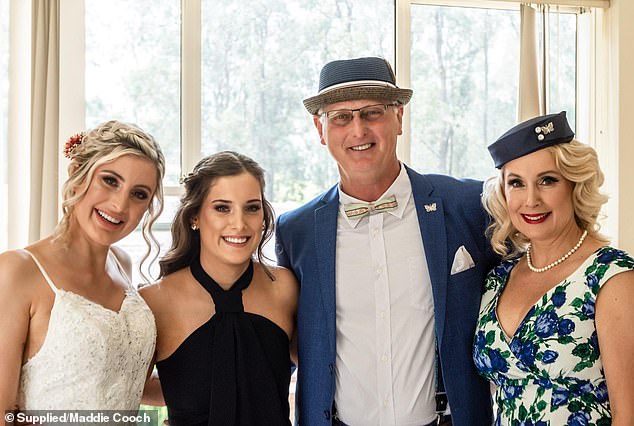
[{"x": 72, "y": 142}]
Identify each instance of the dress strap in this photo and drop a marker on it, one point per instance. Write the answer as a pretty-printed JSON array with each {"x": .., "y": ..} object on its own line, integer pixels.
[
  {"x": 225, "y": 300},
  {"x": 42, "y": 271}
]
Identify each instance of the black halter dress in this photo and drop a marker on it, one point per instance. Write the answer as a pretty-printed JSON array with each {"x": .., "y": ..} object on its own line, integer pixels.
[{"x": 233, "y": 370}]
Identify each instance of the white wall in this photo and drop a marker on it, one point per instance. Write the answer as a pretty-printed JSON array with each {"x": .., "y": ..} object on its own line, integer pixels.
[{"x": 620, "y": 118}]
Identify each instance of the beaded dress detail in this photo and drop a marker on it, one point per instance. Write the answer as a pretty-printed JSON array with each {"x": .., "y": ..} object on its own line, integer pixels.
[
  {"x": 92, "y": 358},
  {"x": 233, "y": 370}
]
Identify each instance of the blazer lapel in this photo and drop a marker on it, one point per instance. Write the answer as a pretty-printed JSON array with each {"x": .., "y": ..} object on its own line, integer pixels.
[
  {"x": 431, "y": 220},
  {"x": 326, "y": 241}
]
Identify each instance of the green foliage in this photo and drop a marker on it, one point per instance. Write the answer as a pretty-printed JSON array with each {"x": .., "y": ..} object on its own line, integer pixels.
[
  {"x": 464, "y": 91},
  {"x": 161, "y": 411},
  {"x": 133, "y": 69},
  {"x": 258, "y": 65}
]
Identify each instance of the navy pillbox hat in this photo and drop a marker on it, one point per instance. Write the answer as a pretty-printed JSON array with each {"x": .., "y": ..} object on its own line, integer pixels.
[
  {"x": 530, "y": 136},
  {"x": 352, "y": 79}
]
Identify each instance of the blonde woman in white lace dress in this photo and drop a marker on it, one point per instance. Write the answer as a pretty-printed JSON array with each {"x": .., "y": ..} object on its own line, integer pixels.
[{"x": 74, "y": 333}]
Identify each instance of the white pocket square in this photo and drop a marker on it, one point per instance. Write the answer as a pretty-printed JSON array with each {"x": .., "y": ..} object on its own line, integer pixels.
[{"x": 461, "y": 261}]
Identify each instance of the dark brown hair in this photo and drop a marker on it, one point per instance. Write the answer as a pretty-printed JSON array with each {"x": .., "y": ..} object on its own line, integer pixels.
[{"x": 185, "y": 241}]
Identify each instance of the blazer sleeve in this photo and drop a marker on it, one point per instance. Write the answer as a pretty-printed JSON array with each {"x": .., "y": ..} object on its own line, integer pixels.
[{"x": 280, "y": 251}]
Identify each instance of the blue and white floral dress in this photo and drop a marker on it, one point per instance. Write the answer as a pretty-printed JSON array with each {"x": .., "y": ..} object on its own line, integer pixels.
[{"x": 550, "y": 371}]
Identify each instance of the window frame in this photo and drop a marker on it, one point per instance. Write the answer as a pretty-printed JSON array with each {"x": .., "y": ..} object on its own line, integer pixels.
[
  {"x": 72, "y": 57},
  {"x": 585, "y": 35},
  {"x": 72, "y": 115}
]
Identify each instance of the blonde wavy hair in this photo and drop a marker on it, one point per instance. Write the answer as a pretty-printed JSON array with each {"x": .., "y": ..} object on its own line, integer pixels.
[
  {"x": 105, "y": 143},
  {"x": 579, "y": 164}
]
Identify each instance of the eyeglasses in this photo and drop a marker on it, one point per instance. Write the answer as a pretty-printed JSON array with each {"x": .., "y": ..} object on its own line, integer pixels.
[{"x": 343, "y": 117}]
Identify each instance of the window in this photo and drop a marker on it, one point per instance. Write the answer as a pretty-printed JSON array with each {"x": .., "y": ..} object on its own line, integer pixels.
[
  {"x": 464, "y": 68},
  {"x": 562, "y": 60},
  {"x": 132, "y": 69},
  {"x": 259, "y": 63},
  {"x": 133, "y": 75},
  {"x": 259, "y": 60},
  {"x": 4, "y": 105},
  {"x": 465, "y": 64}
]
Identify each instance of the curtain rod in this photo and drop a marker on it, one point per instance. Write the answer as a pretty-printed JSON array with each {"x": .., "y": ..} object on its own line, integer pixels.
[
  {"x": 572, "y": 3},
  {"x": 604, "y": 4}
]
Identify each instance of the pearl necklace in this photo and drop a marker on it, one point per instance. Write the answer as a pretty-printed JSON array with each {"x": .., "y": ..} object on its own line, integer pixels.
[{"x": 556, "y": 262}]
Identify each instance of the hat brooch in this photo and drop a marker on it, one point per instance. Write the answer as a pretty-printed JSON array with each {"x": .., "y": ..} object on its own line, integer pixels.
[{"x": 544, "y": 130}]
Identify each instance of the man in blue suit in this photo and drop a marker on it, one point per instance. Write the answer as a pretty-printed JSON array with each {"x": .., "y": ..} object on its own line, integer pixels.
[{"x": 391, "y": 265}]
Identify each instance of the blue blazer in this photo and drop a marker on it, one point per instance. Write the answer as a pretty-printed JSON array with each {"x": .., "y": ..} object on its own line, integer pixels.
[{"x": 305, "y": 243}]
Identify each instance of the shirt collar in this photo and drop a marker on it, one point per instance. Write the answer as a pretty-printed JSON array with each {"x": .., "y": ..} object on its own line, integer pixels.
[{"x": 401, "y": 188}]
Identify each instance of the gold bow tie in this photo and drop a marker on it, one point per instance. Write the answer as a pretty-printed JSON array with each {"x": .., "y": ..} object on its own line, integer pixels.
[{"x": 358, "y": 210}]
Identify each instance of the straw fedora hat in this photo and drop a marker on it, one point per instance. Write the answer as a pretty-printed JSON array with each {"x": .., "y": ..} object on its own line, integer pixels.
[{"x": 361, "y": 78}]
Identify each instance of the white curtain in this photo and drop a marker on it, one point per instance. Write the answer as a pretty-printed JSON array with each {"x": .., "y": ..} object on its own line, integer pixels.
[
  {"x": 44, "y": 118},
  {"x": 531, "y": 97},
  {"x": 19, "y": 123}
]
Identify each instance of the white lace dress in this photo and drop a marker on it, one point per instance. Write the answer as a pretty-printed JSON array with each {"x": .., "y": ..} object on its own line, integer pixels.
[{"x": 92, "y": 358}]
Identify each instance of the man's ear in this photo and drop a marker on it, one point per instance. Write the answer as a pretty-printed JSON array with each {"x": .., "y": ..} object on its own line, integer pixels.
[
  {"x": 320, "y": 128},
  {"x": 399, "y": 115}
]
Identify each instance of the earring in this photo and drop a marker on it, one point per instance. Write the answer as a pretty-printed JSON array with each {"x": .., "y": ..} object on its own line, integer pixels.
[{"x": 194, "y": 227}]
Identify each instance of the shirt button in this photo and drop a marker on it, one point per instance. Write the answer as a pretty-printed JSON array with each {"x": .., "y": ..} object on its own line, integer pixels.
[
  {"x": 385, "y": 403},
  {"x": 378, "y": 271},
  {"x": 384, "y": 357},
  {"x": 327, "y": 414},
  {"x": 382, "y": 314}
]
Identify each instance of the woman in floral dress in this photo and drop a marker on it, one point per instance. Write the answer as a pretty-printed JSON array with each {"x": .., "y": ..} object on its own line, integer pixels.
[{"x": 555, "y": 330}]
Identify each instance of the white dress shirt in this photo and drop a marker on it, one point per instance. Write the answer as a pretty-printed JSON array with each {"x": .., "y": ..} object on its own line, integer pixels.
[{"x": 385, "y": 367}]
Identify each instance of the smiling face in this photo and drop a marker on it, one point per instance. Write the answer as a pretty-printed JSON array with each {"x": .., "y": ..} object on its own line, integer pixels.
[
  {"x": 230, "y": 220},
  {"x": 365, "y": 151},
  {"x": 116, "y": 199},
  {"x": 538, "y": 197}
]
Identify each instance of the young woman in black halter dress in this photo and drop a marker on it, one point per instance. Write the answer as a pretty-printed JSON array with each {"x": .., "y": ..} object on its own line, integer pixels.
[{"x": 224, "y": 319}]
